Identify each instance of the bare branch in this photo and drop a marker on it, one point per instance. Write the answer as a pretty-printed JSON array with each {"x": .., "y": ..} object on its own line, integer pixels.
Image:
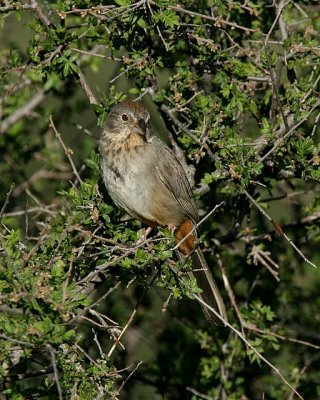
[
  {"x": 86, "y": 88},
  {"x": 55, "y": 370},
  {"x": 45, "y": 209},
  {"x": 229, "y": 290},
  {"x": 198, "y": 394},
  {"x": 22, "y": 342},
  {"x": 281, "y": 23},
  {"x": 280, "y": 8},
  {"x": 131, "y": 318},
  {"x": 40, "y": 174},
  {"x": 67, "y": 152},
  {"x": 41, "y": 15},
  {"x": 6, "y": 202},
  {"x": 218, "y": 21},
  {"x": 263, "y": 257},
  {"x": 128, "y": 377},
  {"x": 278, "y": 228},
  {"x": 24, "y": 111},
  {"x": 281, "y": 337}
]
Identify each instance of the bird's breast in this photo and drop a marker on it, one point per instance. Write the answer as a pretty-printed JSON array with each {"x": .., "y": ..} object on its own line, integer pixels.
[
  {"x": 125, "y": 174},
  {"x": 131, "y": 178}
]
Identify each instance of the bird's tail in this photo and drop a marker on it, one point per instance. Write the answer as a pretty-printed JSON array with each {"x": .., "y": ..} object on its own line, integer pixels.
[
  {"x": 200, "y": 271},
  {"x": 210, "y": 293}
]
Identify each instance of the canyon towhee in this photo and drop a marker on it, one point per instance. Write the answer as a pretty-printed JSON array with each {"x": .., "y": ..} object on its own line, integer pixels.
[{"x": 145, "y": 179}]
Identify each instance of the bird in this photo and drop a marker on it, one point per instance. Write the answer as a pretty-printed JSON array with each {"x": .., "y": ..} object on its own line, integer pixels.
[{"x": 145, "y": 179}]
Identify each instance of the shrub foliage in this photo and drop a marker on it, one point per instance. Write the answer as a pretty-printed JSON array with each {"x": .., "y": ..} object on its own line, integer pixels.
[{"x": 88, "y": 309}]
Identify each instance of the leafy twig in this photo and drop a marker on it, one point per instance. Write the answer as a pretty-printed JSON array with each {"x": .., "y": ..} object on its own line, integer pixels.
[{"x": 289, "y": 132}]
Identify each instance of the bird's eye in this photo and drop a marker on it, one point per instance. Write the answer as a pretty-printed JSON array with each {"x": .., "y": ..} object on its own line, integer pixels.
[{"x": 124, "y": 117}]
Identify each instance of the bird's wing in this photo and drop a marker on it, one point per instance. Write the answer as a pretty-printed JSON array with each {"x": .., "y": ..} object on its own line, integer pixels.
[{"x": 173, "y": 176}]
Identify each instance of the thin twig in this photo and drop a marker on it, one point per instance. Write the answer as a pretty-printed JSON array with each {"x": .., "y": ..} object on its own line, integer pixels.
[
  {"x": 278, "y": 228},
  {"x": 315, "y": 83},
  {"x": 132, "y": 65},
  {"x": 301, "y": 372},
  {"x": 66, "y": 151},
  {"x": 31, "y": 210},
  {"x": 102, "y": 318},
  {"x": 98, "y": 8},
  {"x": 132, "y": 315},
  {"x": 117, "y": 341},
  {"x": 94, "y": 236},
  {"x": 6, "y": 202},
  {"x": 281, "y": 337},
  {"x": 282, "y": 4},
  {"x": 94, "y": 304},
  {"x": 187, "y": 131},
  {"x": 55, "y": 370},
  {"x": 86, "y": 88},
  {"x": 41, "y": 15},
  {"x": 315, "y": 125},
  {"x": 13, "y": 340},
  {"x": 198, "y": 394},
  {"x": 40, "y": 174},
  {"x": 289, "y": 132},
  {"x": 259, "y": 78},
  {"x": 299, "y": 8},
  {"x": 90, "y": 358},
  {"x": 263, "y": 257},
  {"x": 94, "y": 53},
  {"x": 95, "y": 338},
  {"x": 103, "y": 267},
  {"x": 229, "y": 290},
  {"x": 128, "y": 377},
  {"x": 16, "y": 7},
  {"x": 217, "y": 20},
  {"x": 281, "y": 22}
]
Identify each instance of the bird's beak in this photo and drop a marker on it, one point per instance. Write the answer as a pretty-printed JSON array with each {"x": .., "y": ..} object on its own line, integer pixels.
[
  {"x": 144, "y": 129},
  {"x": 143, "y": 126}
]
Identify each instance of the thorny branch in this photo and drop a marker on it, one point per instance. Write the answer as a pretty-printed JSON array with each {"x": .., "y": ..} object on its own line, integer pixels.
[{"x": 268, "y": 78}]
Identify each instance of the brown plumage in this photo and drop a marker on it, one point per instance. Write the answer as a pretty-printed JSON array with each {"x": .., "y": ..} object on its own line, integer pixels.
[{"x": 145, "y": 179}]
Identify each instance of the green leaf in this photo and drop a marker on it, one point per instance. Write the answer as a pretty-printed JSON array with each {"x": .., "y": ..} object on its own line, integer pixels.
[{"x": 123, "y": 3}]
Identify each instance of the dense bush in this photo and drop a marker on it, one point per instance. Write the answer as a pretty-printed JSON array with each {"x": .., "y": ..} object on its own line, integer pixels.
[{"x": 89, "y": 311}]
